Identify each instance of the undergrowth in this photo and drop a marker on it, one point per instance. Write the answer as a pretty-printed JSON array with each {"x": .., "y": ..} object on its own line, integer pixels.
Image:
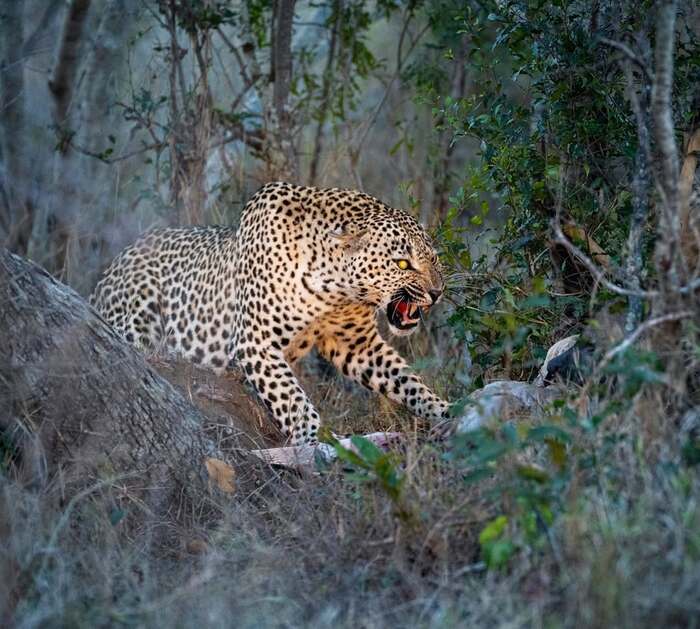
[{"x": 582, "y": 520}]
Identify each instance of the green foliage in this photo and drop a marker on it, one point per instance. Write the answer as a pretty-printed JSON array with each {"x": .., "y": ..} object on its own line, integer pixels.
[
  {"x": 510, "y": 326},
  {"x": 532, "y": 493},
  {"x": 549, "y": 113},
  {"x": 496, "y": 547},
  {"x": 691, "y": 450},
  {"x": 535, "y": 472},
  {"x": 370, "y": 464}
]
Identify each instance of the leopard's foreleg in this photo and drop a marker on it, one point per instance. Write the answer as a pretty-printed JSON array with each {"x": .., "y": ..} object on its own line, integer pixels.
[
  {"x": 376, "y": 365},
  {"x": 272, "y": 378}
]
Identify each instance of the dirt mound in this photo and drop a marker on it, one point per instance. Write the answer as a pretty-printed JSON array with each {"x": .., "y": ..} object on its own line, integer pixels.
[{"x": 227, "y": 401}]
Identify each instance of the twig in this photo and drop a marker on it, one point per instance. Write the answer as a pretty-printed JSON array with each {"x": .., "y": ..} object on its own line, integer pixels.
[
  {"x": 641, "y": 329},
  {"x": 399, "y": 66},
  {"x": 597, "y": 274},
  {"x": 41, "y": 31},
  {"x": 247, "y": 80},
  {"x": 630, "y": 55},
  {"x": 118, "y": 158},
  {"x": 691, "y": 287},
  {"x": 255, "y": 139}
]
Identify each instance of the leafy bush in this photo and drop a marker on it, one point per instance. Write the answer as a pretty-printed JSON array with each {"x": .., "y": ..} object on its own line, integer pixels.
[{"x": 549, "y": 110}]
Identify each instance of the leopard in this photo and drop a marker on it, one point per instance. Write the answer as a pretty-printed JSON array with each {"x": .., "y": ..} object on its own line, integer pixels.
[{"x": 306, "y": 268}]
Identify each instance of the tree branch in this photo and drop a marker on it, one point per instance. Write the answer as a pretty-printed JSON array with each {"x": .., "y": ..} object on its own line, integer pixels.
[
  {"x": 41, "y": 29},
  {"x": 632, "y": 338},
  {"x": 247, "y": 80},
  {"x": 630, "y": 55},
  {"x": 592, "y": 268}
]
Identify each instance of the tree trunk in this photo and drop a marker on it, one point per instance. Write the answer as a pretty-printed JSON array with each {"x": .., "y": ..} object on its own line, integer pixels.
[
  {"x": 327, "y": 81},
  {"x": 80, "y": 408},
  {"x": 282, "y": 72},
  {"x": 53, "y": 191},
  {"x": 15, "y": 172},
  {"x": 63, "y": 78}
]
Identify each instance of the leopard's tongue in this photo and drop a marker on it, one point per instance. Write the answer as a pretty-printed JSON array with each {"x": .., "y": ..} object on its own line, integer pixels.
[{"x": 407, "y": 311}]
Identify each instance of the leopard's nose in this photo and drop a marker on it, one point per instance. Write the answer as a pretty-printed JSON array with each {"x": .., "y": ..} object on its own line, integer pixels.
[{"x": 435, "y": 295}]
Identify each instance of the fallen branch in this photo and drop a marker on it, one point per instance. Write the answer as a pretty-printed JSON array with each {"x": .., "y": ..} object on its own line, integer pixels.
[{"x": 304, "y": 456}]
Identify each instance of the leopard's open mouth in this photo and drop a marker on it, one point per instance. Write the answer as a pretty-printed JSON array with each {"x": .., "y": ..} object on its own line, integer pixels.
[{"x": 403, "y": 313}]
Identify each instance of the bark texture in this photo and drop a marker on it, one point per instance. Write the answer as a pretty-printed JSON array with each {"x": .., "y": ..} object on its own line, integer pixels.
[
  {"x": 79, "y": 407},
  {"x": 281, "y": 122}
]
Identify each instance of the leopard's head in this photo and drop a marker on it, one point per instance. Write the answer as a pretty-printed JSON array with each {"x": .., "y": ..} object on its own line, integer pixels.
[{"x": 390, "y": 263}]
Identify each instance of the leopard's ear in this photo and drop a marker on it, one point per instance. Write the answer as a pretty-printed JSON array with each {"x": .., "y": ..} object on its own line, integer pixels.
[{"x": 351, "y": 239}]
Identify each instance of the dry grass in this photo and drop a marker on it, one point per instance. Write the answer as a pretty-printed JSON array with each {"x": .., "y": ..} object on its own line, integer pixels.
[{"x": 287, "y": 551}]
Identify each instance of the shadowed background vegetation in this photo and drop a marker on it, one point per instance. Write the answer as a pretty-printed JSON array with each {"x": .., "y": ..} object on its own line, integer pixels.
[{"x": 550, "y": 147}]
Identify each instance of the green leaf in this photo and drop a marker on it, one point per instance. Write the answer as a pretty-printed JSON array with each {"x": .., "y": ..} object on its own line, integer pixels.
[
  {"x": 510, "y": 433},
  {"x": 542, "y": 433},
  {"x": 493, "y": 530},
  {"x": 530, "y": 472},
  {"x": 499, "y": 553},
  {"x": 367, "y": 450},
  {"x": 691, "y": 452},
  {"x": 496, "y": 549},
  {"x": 557, "y": 452},
  {"x": 480, "y": 473},
  {"x": 116, "y": 515},
  {"x": 393, "y": 149},
  {"x": 347, "y": 455},
  {"x": 490, "y": 450}
]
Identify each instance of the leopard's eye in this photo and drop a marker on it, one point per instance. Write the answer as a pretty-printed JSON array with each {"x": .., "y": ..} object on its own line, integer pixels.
[{"x": 403, "y": 264}]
